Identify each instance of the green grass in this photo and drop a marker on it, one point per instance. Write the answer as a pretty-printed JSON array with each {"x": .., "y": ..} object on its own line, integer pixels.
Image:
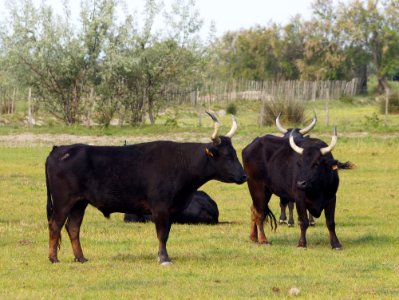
[{"x": 210, "y": 262}]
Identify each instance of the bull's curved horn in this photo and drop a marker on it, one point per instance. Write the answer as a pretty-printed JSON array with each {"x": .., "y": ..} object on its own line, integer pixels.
[
  {"x": 233, "y": 129},
  {"x": 278, "y": 124},
  {"x": 294, "y": 146},
  {"x": 310, "y": 126},
  {"x": 329, "y": 148},
  {"x": 215, "y": 135}
]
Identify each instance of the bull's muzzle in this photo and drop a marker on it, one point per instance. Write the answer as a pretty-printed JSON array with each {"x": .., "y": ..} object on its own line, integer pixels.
[
  {"x": 242, "y": 179},
  {"x": 302, "y": 184}
]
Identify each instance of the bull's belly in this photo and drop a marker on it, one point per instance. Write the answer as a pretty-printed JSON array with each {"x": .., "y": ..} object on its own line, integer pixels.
[{"x": 108, "y": 204}]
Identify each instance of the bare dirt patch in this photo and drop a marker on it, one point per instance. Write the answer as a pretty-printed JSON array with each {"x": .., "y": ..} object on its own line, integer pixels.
[{"x": 31, "y": 139}]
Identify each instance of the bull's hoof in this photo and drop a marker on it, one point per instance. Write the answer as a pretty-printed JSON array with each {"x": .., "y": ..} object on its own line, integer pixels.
[
  {"x": 164, "y": 260},
  {"x": 81, "y": 259},
  {"x": 291, "y": 224},
  {"x": 282, "y": 221},
  {"x": 253, "y": 238},
  {"x": 265, "y": 243},
  {"x": 53, "y": 260},
  {"x": 302, "y": 247},
  {"x": 337, "y": 247},
  {"x": 312, "y": 224}
]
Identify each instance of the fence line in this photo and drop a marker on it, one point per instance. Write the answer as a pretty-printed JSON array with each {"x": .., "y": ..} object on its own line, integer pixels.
[
  {"x": 216, "y": 91},
  {"x": 260, "y": 90}
]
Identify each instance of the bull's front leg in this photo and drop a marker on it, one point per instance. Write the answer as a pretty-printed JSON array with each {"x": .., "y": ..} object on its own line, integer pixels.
[
  {"x": 329, "y": 212},
  {"x": 291, "y": 222},
  {"x": 303, "y": 221},
  {"x": 162, "y": 225}
]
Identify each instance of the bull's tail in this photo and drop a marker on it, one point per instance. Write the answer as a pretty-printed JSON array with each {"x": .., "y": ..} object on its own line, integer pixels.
[
  {"x": 49, "y": 206},
  {"x": 269, "y": 217}
]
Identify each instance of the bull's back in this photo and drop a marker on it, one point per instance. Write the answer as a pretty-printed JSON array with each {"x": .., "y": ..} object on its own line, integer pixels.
[
  {"x": 106, "y": 177},
  {"x": 258, "y": 154}
]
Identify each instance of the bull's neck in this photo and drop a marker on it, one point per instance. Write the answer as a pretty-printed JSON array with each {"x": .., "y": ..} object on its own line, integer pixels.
[{"x": 196, "y": 166}]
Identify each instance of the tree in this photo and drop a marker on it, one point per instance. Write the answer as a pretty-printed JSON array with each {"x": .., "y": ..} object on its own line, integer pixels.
[
  {"x": 371, "y": 29},
  {"x": 59, "y": 61},
  {"x": 323, "y": 56}
]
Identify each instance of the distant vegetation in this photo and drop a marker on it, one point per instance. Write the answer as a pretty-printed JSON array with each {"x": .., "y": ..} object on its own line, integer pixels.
[{"x": 109, "y": 65}]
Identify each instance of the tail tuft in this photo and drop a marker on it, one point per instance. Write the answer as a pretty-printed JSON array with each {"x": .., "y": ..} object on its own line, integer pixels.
[
  {"x": 49, "y": 206},
  {"x": 271, "y": 218}
]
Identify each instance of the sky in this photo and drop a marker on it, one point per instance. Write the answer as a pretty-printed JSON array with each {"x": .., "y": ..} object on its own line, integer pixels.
[
  {"x": 228, "y": 15},
  {"x": 237, "y": 14}
]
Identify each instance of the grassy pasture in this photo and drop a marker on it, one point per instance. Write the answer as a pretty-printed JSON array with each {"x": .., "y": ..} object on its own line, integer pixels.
[{"x": 210, "y": 261}]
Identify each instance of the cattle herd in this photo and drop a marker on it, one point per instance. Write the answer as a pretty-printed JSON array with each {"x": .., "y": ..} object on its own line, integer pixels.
[{"x": 159, "y": 181}]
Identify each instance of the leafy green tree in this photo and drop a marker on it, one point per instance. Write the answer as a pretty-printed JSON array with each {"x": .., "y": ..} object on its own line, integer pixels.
[
  {"x": 159, "y": 61},
  {"x": 371, "y": 32},
  {"x": 323, "y": 56},
  {"x": 59, "y": 61}
]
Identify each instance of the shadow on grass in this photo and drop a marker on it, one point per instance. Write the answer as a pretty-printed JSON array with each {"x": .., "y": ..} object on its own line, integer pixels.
[
  {"x": 129, "y": 257},
  {"x": 373, "y": 239}
]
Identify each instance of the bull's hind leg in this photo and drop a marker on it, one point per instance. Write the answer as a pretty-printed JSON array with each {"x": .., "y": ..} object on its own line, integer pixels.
[
  {"x": 162, "y": 225},
  {"x": 283, "y": 215},
  {"x": 311, "y": 220},
  {"x": 55, "y": 224},
  {"x": 72, "y": 226},
  {"x": 284, "y": 202},
  {"x": 260, "y": 198},
  {"x": 291, "y": 222}
]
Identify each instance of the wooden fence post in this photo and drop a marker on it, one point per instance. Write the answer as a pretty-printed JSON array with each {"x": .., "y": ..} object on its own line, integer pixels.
[{"x": 327, "y": 99}]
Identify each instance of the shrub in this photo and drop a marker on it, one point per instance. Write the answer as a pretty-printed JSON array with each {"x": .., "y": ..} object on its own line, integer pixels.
[
  {"x": 231, "y": 109},
  {"x": 393, "y": 104},
  {"x": 292, "y": 110}
]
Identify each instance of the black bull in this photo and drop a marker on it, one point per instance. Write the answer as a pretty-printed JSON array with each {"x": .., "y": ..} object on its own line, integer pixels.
[
  {"x": 156, "y": 178},
  {"x": 298, "y": 134},
  {"x": 202, "y": 209},
  {"x": 304, "y": 173}
]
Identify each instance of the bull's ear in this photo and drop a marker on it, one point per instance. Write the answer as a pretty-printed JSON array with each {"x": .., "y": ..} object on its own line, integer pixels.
[
  {"x": 209, "y": 152},
  {"x": 333, "y": 164}
]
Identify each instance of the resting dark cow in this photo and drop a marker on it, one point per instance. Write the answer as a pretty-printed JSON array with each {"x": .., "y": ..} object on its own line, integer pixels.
[
  {"x": 298, "y": 134},
  {"x": 157, "y": 178},
  {"x": 202, "y": 209},
  {"x": 304, "y": 172}
]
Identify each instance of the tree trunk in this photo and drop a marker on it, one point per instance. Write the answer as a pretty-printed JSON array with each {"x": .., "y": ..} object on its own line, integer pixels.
[
  {"x": 363, "y": 79},
  {"x": 382, "y": 85},
  {"x": 30, "y": 122},
  {"x": 151, "y": 111}
]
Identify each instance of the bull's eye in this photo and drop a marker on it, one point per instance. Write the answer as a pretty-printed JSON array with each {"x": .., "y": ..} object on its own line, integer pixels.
[{"x": 316, "y": 164}]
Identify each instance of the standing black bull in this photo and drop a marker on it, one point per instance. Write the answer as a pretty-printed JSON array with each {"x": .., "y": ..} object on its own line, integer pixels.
[
  {"x": 305, "y": 173},
  {"x": 202, "y": 209},
  {"x": 298, "y": 135},
  {"x": 156, "y": 177}
]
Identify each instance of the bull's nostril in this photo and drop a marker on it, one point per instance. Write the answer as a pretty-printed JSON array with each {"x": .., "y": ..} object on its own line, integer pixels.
[{"x": 301, "y": 184}]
